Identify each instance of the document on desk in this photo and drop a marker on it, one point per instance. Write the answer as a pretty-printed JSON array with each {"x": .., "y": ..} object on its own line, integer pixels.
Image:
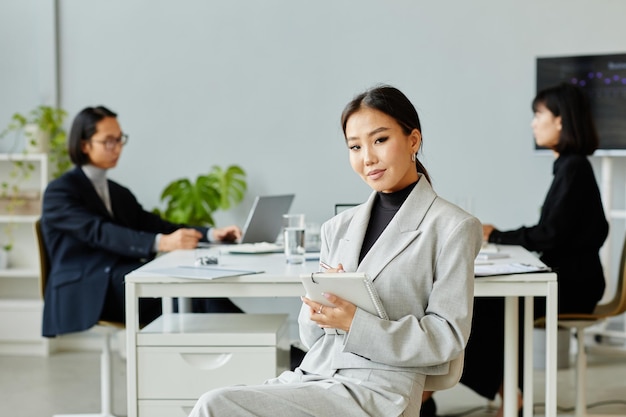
[
  {"x": 203, "y": 272},
  {"x": 252, "y": 248},
  {"x": 486, "y": 270},
  {"x": 491, "y": 255}
]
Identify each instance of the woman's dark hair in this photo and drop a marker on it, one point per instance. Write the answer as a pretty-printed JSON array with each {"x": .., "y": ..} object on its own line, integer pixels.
[
  {"x": 578, "y": 132},
  {"x": 393, "y": 103},
  {"x": 83, "y": 128}
]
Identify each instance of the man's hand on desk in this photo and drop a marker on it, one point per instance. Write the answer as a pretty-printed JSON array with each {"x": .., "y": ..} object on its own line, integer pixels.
[
  {"x": 226, "y": 234},
  {"x": 180, "y": 239}
]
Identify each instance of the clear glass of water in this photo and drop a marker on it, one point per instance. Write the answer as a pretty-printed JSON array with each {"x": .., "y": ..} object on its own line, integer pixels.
[{"x": 293, "y": 235}]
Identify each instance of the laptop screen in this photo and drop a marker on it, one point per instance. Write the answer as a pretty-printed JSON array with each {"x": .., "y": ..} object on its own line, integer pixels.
[{"x": 265, "y": 219}]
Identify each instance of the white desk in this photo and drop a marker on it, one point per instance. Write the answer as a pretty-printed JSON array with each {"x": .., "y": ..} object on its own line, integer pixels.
[{"x": 281, "y": 280}]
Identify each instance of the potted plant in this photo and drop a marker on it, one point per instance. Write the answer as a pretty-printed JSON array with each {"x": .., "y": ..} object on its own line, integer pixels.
[
  {"x": 193, "y": 203},
  {"x": 42, "y": 128},
  {"x": 5, "y": 248},
  {"x": 43, "y": 132}
]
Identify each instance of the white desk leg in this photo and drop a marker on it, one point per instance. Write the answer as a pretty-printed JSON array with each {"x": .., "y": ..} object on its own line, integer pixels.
[
  {"x": 166, "y": 305},
  {"x": 529, "y": 319},
  {"x": 551, "y": 348},
  {"x": 511, "y": 340},
  {"x": 184, "y": 305},
  {"x": 132, "y": 326}
]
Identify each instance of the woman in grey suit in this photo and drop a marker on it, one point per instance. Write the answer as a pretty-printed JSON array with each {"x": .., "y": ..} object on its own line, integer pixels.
[{"x": 419, "y": 251}]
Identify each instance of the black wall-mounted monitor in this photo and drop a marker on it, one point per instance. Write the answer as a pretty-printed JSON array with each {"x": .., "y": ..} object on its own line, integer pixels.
[{"x": 603, "y": 77}]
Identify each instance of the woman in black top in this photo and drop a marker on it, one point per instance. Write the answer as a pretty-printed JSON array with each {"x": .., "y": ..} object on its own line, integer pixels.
[
  {"x": 571, "y": 230},
  {"x": 572, "y": 227}
]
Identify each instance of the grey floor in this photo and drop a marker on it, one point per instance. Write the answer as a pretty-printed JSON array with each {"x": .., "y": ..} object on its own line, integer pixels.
[{"x": 68, "y": 382}]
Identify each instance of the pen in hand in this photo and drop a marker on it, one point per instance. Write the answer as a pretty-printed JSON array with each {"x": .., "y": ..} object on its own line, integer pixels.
[
  {"x": 338, "y": 268},
  {"x": 325, "y": 265}
]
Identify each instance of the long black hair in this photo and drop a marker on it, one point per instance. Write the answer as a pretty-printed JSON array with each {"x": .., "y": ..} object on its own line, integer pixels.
[
  {"x": 393, "y": 103},
  {"x": 578, "y": 132}
]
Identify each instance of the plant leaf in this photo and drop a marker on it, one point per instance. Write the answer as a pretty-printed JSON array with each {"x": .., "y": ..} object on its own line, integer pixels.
[{"x": 194, "y": 203}]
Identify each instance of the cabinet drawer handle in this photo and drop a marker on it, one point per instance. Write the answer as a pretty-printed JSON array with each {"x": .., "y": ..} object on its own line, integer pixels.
[{"x": 206, "y": 361}]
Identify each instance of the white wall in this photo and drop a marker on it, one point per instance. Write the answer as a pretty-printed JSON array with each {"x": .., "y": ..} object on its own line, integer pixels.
[{"x": 262, "y": 85}]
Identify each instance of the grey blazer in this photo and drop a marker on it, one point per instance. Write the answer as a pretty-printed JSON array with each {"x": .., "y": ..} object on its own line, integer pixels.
[{"x": 422, "y": 266}]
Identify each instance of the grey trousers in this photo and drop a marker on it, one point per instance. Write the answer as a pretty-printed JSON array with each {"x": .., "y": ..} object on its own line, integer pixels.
[{"x": 349, "y": 393}]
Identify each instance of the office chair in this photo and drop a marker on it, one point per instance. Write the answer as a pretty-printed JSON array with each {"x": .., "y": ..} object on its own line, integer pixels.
[
  {"x": 449, "y": 380},
  {"x": 341, "y": 207},
  {"x": 107, "y": 329},
  {"x": 580, "y": 322},
  {"x": 438, "y": 383}
]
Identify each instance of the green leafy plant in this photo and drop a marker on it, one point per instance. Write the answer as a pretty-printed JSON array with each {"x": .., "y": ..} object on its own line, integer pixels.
[
  {"x": 48, "y": 121},
  {"x": 41, "y": 128},
  {"x": 8, "y": 233},
  {"x": 193, "y": 203}
]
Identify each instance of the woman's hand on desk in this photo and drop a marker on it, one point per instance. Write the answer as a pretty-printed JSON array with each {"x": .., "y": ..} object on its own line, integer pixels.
[
  {"x": 487, "y": 229},
  {"x": 338, "y": 317}
]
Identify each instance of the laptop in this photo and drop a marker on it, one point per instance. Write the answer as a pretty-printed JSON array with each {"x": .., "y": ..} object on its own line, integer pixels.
[
  {"x": 265, "y": 220},
  {"x": 262, "y": 227}
]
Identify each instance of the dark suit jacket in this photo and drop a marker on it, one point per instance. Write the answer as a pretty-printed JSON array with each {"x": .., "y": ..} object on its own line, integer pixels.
[{"x": 87, "y": 247}]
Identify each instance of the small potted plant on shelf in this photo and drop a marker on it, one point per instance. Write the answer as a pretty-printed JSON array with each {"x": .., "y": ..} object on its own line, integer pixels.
[
  {"x": 42, "y": 131},
  {"x": 193, "y": 203},
  {"x": 5, "y": 248}
]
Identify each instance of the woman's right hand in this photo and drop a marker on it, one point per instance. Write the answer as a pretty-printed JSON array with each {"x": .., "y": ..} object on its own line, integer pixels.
[{"x": 328, "y": 268}]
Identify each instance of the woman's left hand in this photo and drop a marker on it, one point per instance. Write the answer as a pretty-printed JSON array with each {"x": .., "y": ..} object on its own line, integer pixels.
[{"x": 338, "y": 317}]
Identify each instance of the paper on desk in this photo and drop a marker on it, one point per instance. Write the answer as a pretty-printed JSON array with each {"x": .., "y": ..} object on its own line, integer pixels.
[
  {"x": 489, "y": 248},
  {"x": 252, "y": 248},
  {"x": 203, "y": 272},
  {"x": 485, "y": 270},
  {"x": 485, "y": 256}
]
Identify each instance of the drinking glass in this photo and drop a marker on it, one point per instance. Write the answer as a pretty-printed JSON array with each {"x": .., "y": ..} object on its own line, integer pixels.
[{"x": 293, "y": 235}]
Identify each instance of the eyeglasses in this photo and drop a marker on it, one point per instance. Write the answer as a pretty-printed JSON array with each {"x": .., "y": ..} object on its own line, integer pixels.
[{"x": 110, "y": 144}]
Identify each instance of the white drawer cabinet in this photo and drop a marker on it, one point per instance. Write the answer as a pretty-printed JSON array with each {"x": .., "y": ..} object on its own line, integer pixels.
[
  {"x": 181, "y": 356},
  {"x": 188, "y": 372},
  {"x": 165, "y": 408}
]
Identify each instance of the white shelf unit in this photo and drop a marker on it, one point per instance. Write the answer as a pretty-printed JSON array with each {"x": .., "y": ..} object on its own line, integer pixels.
[{"x": 21, "y": 305}]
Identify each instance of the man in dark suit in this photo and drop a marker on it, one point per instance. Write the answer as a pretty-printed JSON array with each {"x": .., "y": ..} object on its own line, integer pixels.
[{"x": 95, "y": 232}]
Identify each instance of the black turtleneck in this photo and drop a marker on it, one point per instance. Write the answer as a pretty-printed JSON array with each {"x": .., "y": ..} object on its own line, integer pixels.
[{"x": 386, "y": 205}]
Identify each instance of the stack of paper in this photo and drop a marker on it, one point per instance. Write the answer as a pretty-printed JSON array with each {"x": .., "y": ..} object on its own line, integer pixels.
[
  {"x": 507, "y": 269},
  {"x": 252, "y": 248},
  {"x": 203, "y": 272},
  {"x": 490, "y": 251},
  {"x": 489, "y": 248}
]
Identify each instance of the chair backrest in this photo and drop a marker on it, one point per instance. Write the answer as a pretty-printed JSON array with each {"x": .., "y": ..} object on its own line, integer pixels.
[
  {"x": 612, "y": 308},
  {"x": 617, "y": 305},
  {"x": 341, "y": 207},
  {"x": 44, "y": 262},
  {"x": 449, "y": 380}
]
